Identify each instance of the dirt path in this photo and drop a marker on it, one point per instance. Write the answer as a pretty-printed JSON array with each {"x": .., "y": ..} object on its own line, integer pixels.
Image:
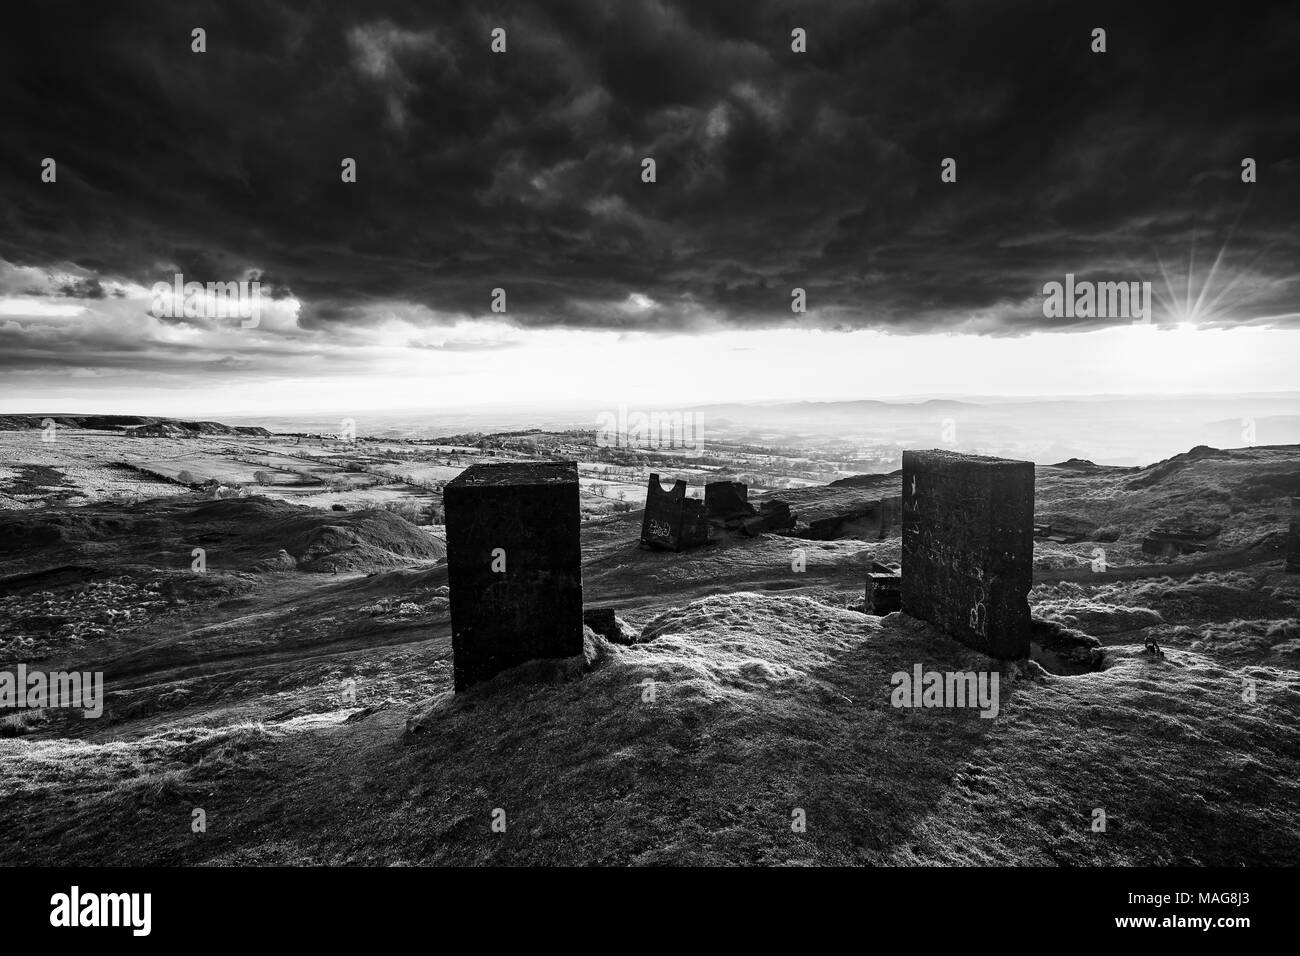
[{"x": 1269, "y": 548}]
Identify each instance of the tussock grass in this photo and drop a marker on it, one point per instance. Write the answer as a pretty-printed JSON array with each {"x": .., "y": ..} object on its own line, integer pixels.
[
  {"x": 53, "y": 766},
  {"x": 766, "y": 704},
  {"x": 23, "y": 722},
  {"x": 699, "y": 744}
]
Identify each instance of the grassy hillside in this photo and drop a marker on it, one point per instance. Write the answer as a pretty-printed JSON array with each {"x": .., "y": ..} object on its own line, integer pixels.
[
  {"x": 310, "y": 716},
  {"x": 762, "y": 705}
]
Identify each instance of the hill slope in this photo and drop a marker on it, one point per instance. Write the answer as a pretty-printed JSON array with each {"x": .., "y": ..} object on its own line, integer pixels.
[
  {"x": 311, "y": 716},
  {"x": 762, "y": 706}
]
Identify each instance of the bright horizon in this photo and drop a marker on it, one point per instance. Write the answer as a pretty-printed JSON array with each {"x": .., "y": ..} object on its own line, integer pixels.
[{"x": 581, "y": 368}]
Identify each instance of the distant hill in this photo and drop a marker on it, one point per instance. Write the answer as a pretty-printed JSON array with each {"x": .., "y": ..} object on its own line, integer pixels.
[
  {"x": 148, "y": 425},
  {"x": 238, "y": 533}
]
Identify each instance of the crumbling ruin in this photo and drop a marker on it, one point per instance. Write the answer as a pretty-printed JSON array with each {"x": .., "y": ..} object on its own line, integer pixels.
[
  {"x": 725, "y": 499},
  {"x": 513, "y": 566},
  {"x": 672, "y": 521},
  {"x": 727, "y": 504},
  {"x": 1171, "y": 540},
  {"x": 968, "y": 547},
  {"x": 774, "y": 515},
  {"x": 864, "y": 509}
]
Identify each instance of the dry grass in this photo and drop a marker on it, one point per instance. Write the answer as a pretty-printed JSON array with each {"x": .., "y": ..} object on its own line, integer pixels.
[
  {"x": 768, "y": 697},
  {"x": 761, "y": 705}
]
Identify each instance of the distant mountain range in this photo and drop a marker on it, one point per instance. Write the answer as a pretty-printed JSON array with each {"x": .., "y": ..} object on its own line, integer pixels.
[{"x": 1206, "y": 407}]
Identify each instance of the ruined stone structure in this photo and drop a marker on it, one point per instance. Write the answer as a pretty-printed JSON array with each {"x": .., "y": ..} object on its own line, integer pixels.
[
  {"x": 1170, "y": 540},
  {"x": 728, "y": 507},
  {"x": 513, "y": 566},
  {"x": 968, "y": 547},
  {"x": 867, "y": 520},
  {"x": 1066, "y": 530},
  {"x": 776, "y": 515},
  {"x": 672, "y": 521},
  {"x": 722, "y": 499}
]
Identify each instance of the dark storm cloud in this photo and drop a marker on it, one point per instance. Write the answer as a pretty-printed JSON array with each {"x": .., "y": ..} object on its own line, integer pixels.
[
  {"x": 82, "y": 289},
  {"x": 775, "y": 170}
]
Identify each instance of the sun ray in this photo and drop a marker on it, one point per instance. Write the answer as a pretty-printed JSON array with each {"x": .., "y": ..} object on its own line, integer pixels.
[
  {"x": 1205, "y": 286},
  {"x": 1172, "y": 305}
]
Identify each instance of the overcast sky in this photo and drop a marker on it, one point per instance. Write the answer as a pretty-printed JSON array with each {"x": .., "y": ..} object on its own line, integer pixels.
[{"x": 523, "y": 171}]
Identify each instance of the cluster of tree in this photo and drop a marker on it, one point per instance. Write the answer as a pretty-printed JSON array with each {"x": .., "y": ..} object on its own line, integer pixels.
[
  {"x": 414, "y": 511},
  {"x": 187, "y": 477}
]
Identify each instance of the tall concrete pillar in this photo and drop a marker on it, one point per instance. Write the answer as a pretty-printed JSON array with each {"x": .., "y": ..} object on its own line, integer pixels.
[
  {"x": 968, "y": 547},
  {"x": 514, "y": 566}
]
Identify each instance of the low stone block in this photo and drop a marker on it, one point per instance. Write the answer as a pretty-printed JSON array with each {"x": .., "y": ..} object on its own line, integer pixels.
[{"x": 884, "y": 593}]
